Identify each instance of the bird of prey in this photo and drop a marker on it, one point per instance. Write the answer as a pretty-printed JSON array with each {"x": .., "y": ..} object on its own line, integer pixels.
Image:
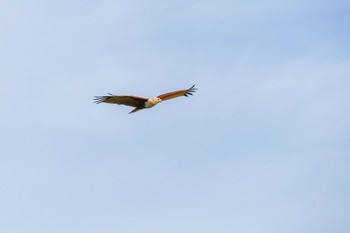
[{"x": 140, "y": 102}]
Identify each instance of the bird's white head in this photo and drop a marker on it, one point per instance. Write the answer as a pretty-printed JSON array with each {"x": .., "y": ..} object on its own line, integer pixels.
[
  {"x": 152, "y": 102},
  {"x": 155, "y": 100}
]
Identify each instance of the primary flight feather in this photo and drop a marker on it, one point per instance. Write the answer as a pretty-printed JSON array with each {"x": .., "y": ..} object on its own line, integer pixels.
[{"x": 140, "y": 102}]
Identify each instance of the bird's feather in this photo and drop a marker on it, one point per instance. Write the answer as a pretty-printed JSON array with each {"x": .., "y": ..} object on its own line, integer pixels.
[
  {"x": 175, "y": 94},
  {"x": 133, "y": 101}
]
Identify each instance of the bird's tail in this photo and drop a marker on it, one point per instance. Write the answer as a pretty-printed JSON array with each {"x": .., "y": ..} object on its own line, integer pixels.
[{"x": 135, "y": 110}]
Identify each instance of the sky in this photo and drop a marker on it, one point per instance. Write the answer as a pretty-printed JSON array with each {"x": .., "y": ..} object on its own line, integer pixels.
[{"x": 261, "y": 147}]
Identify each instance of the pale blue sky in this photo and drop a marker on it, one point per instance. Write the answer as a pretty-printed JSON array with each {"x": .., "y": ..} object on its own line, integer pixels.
[{"x": 262, "y": 147}]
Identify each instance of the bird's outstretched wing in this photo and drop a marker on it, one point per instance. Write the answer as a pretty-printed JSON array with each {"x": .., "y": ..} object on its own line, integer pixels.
[
  {"x": 179, "y": 93},
  {"x": 134, "y": 101}
]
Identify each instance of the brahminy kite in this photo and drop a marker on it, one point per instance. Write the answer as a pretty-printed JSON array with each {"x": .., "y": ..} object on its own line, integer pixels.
[{"x": 140, "y": 102}]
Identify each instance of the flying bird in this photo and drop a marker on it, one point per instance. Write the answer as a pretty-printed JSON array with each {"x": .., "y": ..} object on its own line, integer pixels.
[{"x": 140, "y": 102}]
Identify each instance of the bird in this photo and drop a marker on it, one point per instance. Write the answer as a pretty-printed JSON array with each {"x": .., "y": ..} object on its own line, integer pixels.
[{"x": 141, "y": 102}]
